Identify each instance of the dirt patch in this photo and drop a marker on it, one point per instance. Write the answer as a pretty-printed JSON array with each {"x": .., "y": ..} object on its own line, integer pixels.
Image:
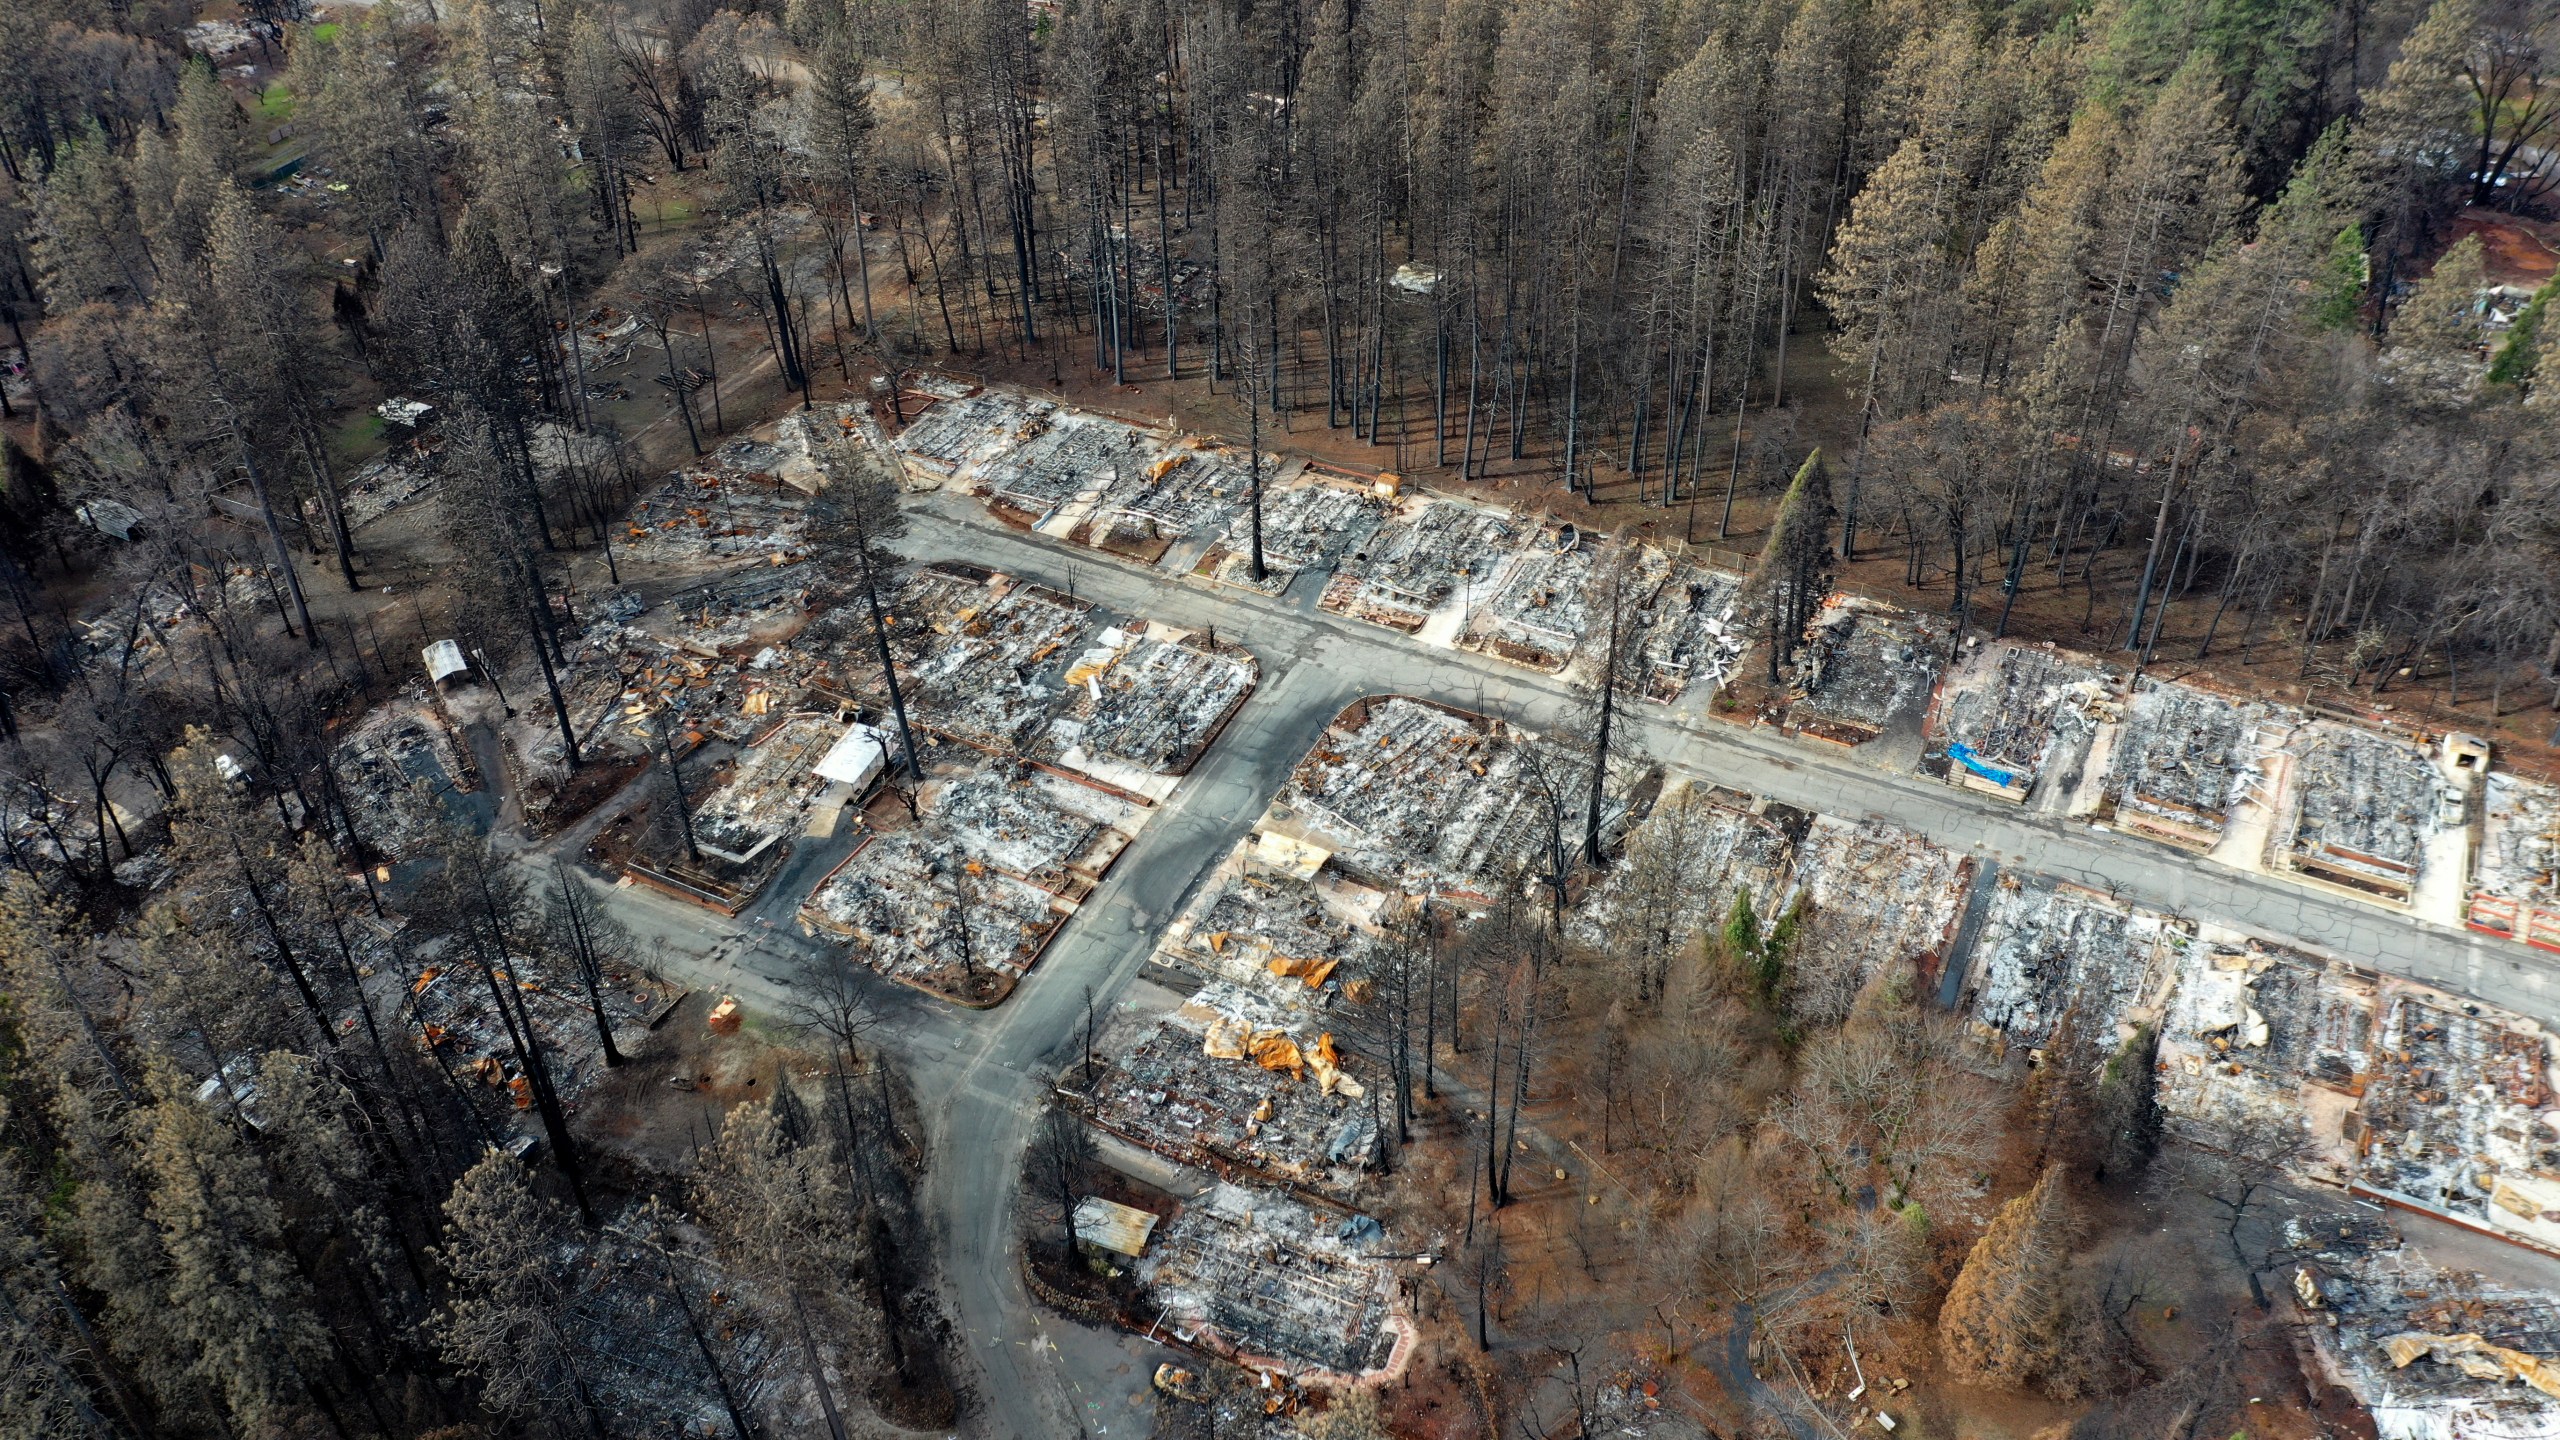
[
  {"x": 2519, "y": 252},
  {"x": 662, "y": 1106}
]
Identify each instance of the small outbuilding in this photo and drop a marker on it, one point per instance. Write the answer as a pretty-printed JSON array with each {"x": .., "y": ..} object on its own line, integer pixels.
[
  {"x": 445, "y": 662},
  {"x": 1109, "y": 1225},
  {"x": 857, "y": 758}
]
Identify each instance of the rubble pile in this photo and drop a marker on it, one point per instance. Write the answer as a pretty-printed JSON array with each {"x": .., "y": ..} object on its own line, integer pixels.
[
  {"x": 955, "y": 433},
  {"x": 1172, "y": 496},
  {"x": 1074, "y": 452},
  {"x": 1411, "y": 566},
  {"x": 1880, "y": 896},
  {"x": 1304, "y": 527},
  {"x": 1720, "y": 843},
  {"x": 2364, "y": 807},
  {"x": 1408, "y": 795},
  {"x": 1550, "y": 600},
  {"x": 648, "y": 1372},
  {"x": 1692, "y": 635},
  {"x": 1034, "y": 826},
  {"x": 450, "y": 1008},
  {"x": 2185, "y": 758},
  {"x": 2258, "y": 1036},
  {"x": 397, "y": 752},
  {"x": 2012, "y": 712},
  {"x": 2456, "y": 1110},
  {"x": 1250, "y": 1274},
  {"x": 1864, "y": 667},
  {"x": 381, "y": 487},
  {"x": 768, "y": 787},
  {"x": 1273, "y": 930},
  {"x": 1235, "y": 1082},
  {"x": 915, "y": 907},
  {"x": 2515, "y": 881},
  {"x": 2433, "y": 1353},
  {"x": 1149, "y": 703},
  {"x": 2051, "y": 949},
  {"x": 996, "y": 679},
  {"x": 702, "y": 518}
]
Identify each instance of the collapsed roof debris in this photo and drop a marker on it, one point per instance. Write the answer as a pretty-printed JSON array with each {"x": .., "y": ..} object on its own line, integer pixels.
[
  {"x": 1234, "y": 1081},
  {"x": 2259, "y": 1037},
  {"x": 1258, "y": 1277},
  {"x": 1864, "y": 667},
  {"x": 2012, "y": 713},
  {"x": 1049, "y": 830},
  {"x": 2459, "y": 1113},
  {"x": 2184, "y": 758},
  {"x": 1412, "y": 566},
  {"x": 705, "y": 519},
  {"x": 1692, "y": 635},
  {"x": 2364, "y": 807},
  {"x": 2049, "y": 948},
  {"x": 395, "y": 752},
  {"x": 1879, "y": 896},
  {"x": 2515, "y": 882},
  {"x": 450, "y": 1010},
  {"x": 383, "y": 487},
  {"x": 1409, "y": 795},
  {"x": 1549, "y": 601},
  {"x": 1141, "y": 708},
  {"x": 1304, "y": 526}
]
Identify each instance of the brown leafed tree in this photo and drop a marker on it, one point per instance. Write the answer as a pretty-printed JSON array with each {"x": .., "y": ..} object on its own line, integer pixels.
[{"x": 2006, "y": 1312}]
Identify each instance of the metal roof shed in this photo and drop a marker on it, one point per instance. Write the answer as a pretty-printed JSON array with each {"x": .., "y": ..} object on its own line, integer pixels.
[{"x": 1110, "y": 1225}]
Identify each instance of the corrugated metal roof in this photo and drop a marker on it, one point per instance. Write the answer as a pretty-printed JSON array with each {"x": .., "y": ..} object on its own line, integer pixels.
[{"x": 1110, "y": 1225}]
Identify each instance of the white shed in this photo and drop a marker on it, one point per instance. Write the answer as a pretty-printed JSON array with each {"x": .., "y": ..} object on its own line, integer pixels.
[{"x": 857, "y": 757}]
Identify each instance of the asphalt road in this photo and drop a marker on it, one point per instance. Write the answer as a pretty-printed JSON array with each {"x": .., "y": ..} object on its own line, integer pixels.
[{"x": 983, "y": 1073}]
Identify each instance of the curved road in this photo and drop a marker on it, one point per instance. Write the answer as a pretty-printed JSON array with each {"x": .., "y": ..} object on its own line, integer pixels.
[{"x": 1038, "y": 1376}]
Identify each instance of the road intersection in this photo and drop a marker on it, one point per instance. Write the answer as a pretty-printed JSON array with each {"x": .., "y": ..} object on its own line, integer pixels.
[{"x": 984, "y": 1073}]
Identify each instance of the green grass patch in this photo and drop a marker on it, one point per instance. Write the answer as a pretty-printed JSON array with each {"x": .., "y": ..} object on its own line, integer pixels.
[
  {"x": 275, "y": 105},
  {"x": 358, "y": 438},
  {"x": 326, "y": 31}
]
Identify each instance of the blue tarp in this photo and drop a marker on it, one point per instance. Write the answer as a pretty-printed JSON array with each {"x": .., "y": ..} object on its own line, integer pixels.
[{"x": 1963, "y": 755}]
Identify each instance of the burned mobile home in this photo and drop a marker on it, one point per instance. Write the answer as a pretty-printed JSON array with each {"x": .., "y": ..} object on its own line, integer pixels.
[
  {"x": 2259, "y": 1039},
  {"x": 1306, "y": 525},
  {"x": 1691, "y": 634},
  {"x": 1142, "y": 706},
  {"x": 1409, "y": 795},
  {"x": 1415, "y": 565},
  {"x": 1166, "y": 500},
  {"x": 961, "y": 898},
  {"x": 1239, "y": 1084},
  {"x": 2365, "y": 808},
  {"x": 2515, "y": 881},
  {"x": 1554, "y": 597},
  {"x": 2050, "y": 950},
  {"x": 2013, "y": 716},
  {"x": 2184, "y": 758},
  {"x": 1270, "y": 1282},
  {"x": 1866, "y": 667}
]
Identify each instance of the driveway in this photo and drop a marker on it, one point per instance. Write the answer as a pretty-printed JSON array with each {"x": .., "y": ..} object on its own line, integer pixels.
[{"x": 985, "y": 1073}]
